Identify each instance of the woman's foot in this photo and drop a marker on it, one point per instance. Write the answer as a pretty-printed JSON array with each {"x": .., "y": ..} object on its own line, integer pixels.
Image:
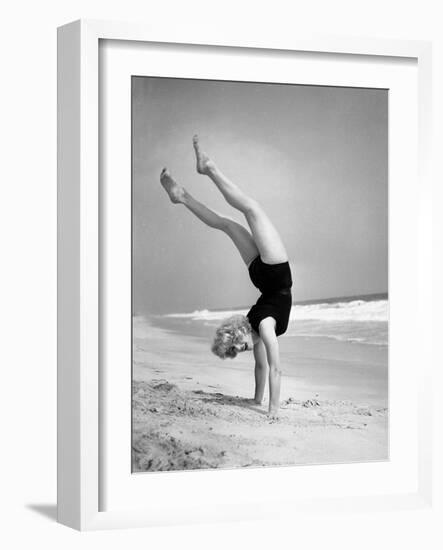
[
  {"x": 204, "y": 163},
  {"x": 175, "y": 191}
]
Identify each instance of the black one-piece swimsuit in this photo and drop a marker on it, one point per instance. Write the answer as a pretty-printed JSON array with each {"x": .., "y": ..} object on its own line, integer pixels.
[{"x": 274, "y": 282}]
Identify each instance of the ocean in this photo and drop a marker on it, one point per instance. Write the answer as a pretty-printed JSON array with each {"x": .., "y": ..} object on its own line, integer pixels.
[
  {"x": 334, "y": 348},
  {"x": 356, "y": 319}
]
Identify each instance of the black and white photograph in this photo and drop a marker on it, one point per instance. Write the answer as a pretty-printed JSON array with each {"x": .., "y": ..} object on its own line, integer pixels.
[
  {"x": 225, "y": 228},
  {"x": 259, "y": 274}
]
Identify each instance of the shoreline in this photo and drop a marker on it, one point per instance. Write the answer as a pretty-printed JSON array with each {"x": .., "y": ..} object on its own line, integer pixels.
[{"x": 193, "y": 411}]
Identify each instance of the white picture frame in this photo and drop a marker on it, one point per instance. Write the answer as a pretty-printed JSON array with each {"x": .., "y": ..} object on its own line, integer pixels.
[{"x": 80, "y": 296}]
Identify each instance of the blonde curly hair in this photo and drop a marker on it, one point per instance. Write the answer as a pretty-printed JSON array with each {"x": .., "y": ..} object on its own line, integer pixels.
[{"x": 231, "y": 332}]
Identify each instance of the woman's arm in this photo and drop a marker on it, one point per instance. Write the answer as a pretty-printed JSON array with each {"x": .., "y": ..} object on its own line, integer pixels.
[
  {"x": 260, "y": 371},
  {"x": 267, "y": 334}
]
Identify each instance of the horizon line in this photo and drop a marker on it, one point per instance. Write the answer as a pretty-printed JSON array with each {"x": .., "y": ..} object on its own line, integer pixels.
[{"x": 349, "y": 297}]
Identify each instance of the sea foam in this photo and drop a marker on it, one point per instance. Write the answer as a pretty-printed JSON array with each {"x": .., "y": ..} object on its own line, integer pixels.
[{"x": 356, "y": 310}]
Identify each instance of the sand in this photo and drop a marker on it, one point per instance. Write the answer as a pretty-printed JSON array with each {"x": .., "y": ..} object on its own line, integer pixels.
[{"x": 193, "y": 411}]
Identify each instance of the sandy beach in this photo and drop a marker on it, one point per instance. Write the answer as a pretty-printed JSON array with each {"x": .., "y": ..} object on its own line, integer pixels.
[{"x": 192, "y": 410}]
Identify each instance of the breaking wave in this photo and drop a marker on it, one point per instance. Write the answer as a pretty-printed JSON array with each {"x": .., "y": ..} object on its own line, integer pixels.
[{"x": 356, "y": 311}]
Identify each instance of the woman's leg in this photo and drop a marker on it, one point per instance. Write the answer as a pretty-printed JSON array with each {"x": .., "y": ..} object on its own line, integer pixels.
[
  {"x": 266, "y": 236},
  {"x": 238, "y": 234}
]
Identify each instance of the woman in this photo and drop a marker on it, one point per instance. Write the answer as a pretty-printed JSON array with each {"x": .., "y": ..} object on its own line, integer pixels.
[{"x": 264, "y": 254}]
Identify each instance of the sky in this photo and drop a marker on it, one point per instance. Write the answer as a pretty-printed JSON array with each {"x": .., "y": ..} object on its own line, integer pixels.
[{"x": 315, "y": 157}]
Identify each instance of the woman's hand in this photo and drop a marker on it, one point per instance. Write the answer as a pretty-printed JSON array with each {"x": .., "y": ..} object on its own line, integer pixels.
[{"x": 273, "y": 414}]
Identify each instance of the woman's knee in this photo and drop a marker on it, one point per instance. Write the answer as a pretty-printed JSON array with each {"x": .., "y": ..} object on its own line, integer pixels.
[
  {"x": 225, "y": 224},
  {"x": 252, "y": 208}
]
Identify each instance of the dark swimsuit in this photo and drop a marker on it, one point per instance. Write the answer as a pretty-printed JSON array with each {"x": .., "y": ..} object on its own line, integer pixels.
[{"x": 274, "y": 282}]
